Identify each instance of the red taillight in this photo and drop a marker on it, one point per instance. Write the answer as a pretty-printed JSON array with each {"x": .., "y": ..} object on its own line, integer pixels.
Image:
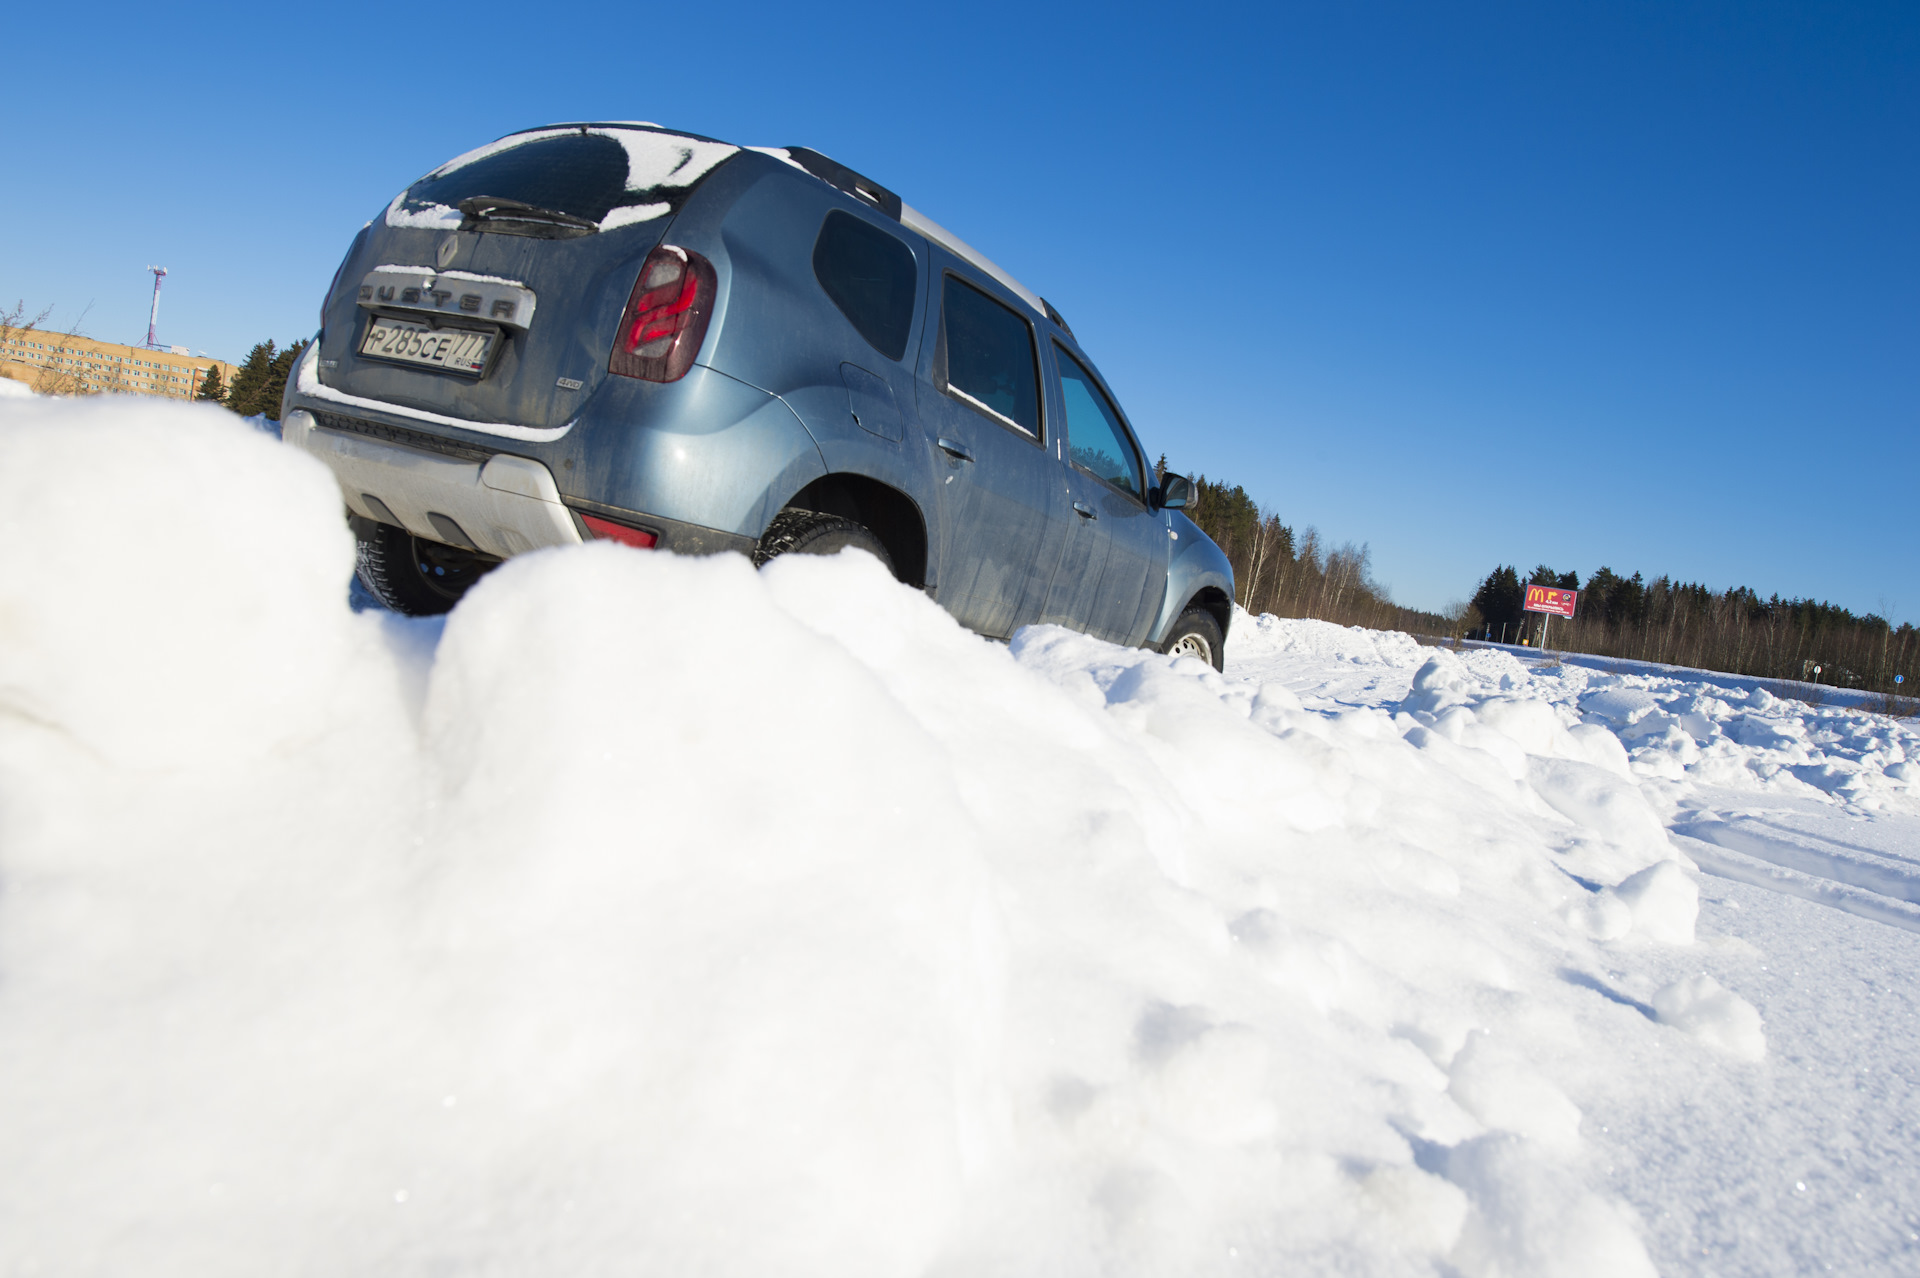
[
  {"x": 610, "y": 531},
  {"x": 666, "y": 316}
]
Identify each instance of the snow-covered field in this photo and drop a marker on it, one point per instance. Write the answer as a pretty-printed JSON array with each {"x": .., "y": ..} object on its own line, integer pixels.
[{"x": 660, "y": 916}]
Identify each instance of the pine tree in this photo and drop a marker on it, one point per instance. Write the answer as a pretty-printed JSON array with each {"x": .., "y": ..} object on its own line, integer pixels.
[
  {"x": 248, "y": 383},
  {"x": 212, "y": 389},
  {"x": 1500, "y": 600},
  {"x": 275, "y": 388}
]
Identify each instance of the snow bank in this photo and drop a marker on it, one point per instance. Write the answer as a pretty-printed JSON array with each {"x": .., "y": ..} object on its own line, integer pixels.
[
  {"x": 1251, "y": 638},
  {"x": 662, "y": 915}
]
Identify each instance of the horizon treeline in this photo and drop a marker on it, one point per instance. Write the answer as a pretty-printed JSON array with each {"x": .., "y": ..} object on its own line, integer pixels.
[
  {"x": 1296, "y": 574},
  {"x": 1687, "y": 624}
]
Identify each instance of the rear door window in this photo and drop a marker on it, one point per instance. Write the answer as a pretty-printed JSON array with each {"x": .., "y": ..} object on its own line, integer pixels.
[
  {"x": 1097, "y": 442},
  {"x": 990, "y": 357},
  {"x": 870, "y": 276}
]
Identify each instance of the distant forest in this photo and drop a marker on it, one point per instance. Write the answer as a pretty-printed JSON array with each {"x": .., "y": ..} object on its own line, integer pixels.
[
  {"x": 1293, "y": 573},
  {"x": 1296, "y": 574},
  {"x": 1685, "y": 624}
]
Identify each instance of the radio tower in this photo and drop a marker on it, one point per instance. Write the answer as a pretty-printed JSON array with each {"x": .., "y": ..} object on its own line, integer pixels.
[{"x": 159, "y": 273}]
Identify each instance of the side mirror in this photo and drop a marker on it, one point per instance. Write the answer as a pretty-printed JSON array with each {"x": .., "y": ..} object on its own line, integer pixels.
[{"x": 1175, "y": 492}]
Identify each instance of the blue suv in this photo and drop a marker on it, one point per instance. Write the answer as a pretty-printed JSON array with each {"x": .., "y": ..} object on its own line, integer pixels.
[{"x": 618, "y": 331}]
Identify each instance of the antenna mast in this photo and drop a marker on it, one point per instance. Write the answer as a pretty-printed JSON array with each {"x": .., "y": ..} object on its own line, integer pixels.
[{"x": 153, "y": 318}]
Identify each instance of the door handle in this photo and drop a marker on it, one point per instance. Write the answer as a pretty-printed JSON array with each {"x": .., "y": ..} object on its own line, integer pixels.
[
  {"x": 1085, "y": 511},
  {"x": 955, "y": 449}
]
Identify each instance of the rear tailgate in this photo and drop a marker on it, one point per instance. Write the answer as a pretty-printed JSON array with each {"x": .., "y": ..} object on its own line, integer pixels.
[{"x": 524, "y": 285}]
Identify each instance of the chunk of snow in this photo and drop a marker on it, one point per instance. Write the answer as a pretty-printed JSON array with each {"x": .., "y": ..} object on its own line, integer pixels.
[
  {"x": 1665, "y": 902},
  {"x": 1702, "y": 1007},
  {"x": 1530, "y": 1218},
  {"x": 1505, "y": 1094},
  {"x": 1601, "y": 748},
  {"x": 1620, "y": 706},
  {"x": 1600, "y": 801},
  {"x": 1440, "y": 684}
]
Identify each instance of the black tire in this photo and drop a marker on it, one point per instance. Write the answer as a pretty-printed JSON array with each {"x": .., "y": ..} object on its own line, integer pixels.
[
  {"x": 808, "y": 532},
  {"x": 412, "y": 575},
  {"x": 1197, "y": 634}
]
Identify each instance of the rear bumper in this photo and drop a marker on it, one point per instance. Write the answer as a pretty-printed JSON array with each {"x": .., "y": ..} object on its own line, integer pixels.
[{"x": 502, "y": 506}]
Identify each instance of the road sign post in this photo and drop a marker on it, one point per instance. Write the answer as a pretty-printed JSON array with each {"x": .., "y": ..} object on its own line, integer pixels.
[{"x": 1552, "y": 602}]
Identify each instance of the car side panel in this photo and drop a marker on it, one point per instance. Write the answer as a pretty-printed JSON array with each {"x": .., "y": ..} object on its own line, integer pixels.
[
  {"x": 1196, "y": 565},
  {"x": 782, "y": 334},
  {"x": 1135, "y": 576},
  {"x": 1130, "y": 567},
  {"x": 1003, "y": 516},
  {"x": 726, "y": 456}
]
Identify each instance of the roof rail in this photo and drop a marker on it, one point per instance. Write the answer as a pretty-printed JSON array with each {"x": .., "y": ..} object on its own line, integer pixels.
[
  {"x": 871, "y": 193},
  {"x": 914, "y": 219},
  {"x": 839, "y": 176}
]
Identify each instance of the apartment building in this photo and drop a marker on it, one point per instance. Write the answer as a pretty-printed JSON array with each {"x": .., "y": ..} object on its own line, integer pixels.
[{"x": 64, "y": 364}]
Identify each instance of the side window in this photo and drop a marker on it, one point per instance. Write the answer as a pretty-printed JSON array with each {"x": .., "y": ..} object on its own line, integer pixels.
[
  {"x": 1096, "y": 441},
  {"x": 870, "y": 276},
  {"x": 990, "y": 357}
]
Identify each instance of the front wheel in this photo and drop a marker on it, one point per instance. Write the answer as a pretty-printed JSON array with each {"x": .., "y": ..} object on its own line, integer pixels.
[
  {"x": 1197, "y": 634},
  {"x": 412, "y": 575}
]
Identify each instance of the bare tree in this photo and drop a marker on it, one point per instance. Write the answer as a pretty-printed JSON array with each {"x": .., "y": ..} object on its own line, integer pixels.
[
  {"x": 54, "y": 369},
  {"x": 16, "y": 327}
]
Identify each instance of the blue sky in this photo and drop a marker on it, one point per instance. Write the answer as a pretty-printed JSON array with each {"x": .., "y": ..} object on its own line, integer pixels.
[{"x": 1623, "y": 284}]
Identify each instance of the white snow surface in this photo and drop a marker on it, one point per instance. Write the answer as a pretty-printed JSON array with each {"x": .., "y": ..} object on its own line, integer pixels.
[
  {"x": 658, "y": 915},
  {"x": 10, "y": 389}
]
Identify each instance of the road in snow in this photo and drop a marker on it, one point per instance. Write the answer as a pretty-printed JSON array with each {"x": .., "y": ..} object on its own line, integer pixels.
[{"x": 662, "y": 916}]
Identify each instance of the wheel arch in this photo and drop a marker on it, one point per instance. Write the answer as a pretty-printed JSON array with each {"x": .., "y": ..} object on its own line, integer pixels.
[
  {"x": 890, "y": 514},
  {"x": 1216, "y": 601},
  {"x": 1199, "y": 576}
]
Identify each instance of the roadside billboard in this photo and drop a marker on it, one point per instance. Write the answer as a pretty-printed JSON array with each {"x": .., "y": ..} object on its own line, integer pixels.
[{"x": 1547, "y": 599}]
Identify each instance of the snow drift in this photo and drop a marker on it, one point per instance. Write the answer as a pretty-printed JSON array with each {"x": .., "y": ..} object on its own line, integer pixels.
[{"x": 664, "y": 916}]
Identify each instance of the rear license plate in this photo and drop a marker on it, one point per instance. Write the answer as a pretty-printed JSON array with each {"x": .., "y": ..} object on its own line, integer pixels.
[{"x": 457, "y": 350}]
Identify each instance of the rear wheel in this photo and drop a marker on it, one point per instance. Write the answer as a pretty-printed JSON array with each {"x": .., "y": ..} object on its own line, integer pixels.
[
  {"x": 413, "y": 575},
  {"x": 1197, "y": 634},
  {"x": 808, "y": 532}
]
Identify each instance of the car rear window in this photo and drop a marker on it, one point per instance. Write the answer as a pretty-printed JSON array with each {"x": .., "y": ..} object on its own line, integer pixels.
[
  {"x": 990, "y": 356},
  {"x": 870, "y": 276},
  {"x": 607, "y": 175}
]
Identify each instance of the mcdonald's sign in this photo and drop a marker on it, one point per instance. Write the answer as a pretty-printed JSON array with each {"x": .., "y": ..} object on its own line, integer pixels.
[{"x": 1546, "y": 599}]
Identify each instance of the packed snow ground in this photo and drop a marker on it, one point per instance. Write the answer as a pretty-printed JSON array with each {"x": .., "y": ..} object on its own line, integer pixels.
[{"x": 662, "y": 916}]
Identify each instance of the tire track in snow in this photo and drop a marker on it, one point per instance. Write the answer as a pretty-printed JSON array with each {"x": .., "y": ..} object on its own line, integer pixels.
[{"x": 1754, "y": 871}]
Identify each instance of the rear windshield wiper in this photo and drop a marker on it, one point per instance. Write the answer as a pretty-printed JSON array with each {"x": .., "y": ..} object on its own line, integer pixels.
[{"x": 495, "y": 208}]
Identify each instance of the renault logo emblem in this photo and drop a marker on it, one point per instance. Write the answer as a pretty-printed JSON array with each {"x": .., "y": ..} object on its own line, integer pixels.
[{"x": 448, "y": 247}]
